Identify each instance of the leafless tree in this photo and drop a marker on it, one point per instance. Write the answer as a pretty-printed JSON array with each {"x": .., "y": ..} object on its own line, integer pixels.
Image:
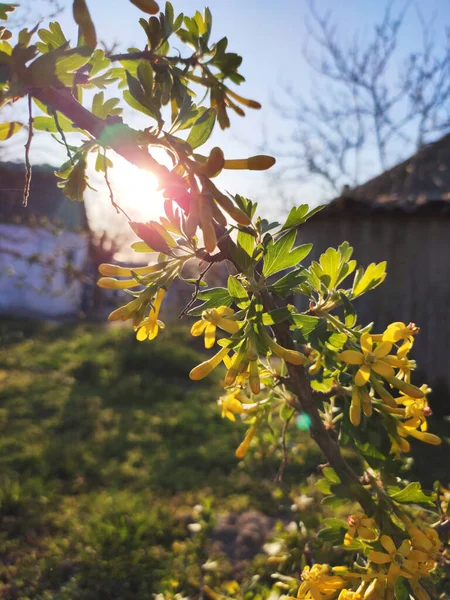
[
  {"x": 368, "y": 102},
  {"x": 29, "y": 12}
]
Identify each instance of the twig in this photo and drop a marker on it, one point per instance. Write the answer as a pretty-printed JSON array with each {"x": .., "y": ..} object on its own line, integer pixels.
[
  {"x": 196, "y": 291},
  {"x": 111, "y": 191},
  {"x": 151, "y": 56},
  {"x": 61, "y": 133},
  {"x": 279, "y": 476},
  {"x": 28, "y": 173}
]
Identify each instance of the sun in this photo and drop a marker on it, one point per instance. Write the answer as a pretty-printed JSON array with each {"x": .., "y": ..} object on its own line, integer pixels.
[{"x": 136, "y": 191}]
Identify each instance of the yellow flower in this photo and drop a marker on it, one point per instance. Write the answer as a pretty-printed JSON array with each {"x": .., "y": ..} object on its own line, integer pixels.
[
  {"x": 149, "y": 327},
  {"x": 359, "y": 395},
  {"x": 444, "y": 498},
  {"x": 349, "y": 595},
  {"x": 319, "y": 583},
  {"x": 370, "y": 359},
  {"x": 419, "y": 592},
  {"x": 125, "y": 312},
  {"x": 399, "y": 331},
  {"x": 405, "y": 430},
  {"x": 231, "y": 404},
  {"x": 399, "y": 445},
  {"x": 403, "y": 561},
  {"x": 377, "y": 589},
  {"x": 427, "y": 541},
  {"x": 245, "y": 444},
  {"x": 362, "y": 526},
  {"x": 206, "y": 367},
  {"x": 417, "y": 411},
  {"x": 290, "y": 356},
  {"x": 211, "y": 319}
]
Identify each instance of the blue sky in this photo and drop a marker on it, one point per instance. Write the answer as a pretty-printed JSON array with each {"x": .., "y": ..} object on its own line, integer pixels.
[{"x": 270, "y": 35}]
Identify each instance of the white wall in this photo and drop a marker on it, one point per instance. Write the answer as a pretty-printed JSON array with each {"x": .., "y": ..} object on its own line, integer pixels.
[{"x": 38, "y": 289}]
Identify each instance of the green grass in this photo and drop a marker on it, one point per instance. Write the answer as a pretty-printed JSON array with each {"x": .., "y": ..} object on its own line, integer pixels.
[{"x": 105, "y": 447}]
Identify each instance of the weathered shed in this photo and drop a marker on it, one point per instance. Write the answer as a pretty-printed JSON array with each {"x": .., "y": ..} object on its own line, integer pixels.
[
  {"x": 44, "y": 247},
  {"x": 403, "y": 217}
]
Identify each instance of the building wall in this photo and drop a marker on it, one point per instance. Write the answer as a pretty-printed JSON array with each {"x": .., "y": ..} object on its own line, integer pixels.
[
  {"x": 41, "y": 287},
  {"x": 417, "y": 286}
]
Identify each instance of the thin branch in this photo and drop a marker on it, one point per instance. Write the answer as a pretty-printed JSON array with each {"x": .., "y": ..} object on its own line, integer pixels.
[
  {"x": 152, "y": 57},
  {"x": 29, "y": 169},
  {"x": 108, "y": 134},
  {"x": 63, "y": 137},
  {"x": 196, "y": 290},
  {"x": 279, "y": 476},
  {"x": 118, "y": 208}
]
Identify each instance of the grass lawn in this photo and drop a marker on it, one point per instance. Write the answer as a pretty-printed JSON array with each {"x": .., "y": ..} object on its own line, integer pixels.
[
  {"x": 106, "y": 448},
  {"x": 112, "y": 464}
]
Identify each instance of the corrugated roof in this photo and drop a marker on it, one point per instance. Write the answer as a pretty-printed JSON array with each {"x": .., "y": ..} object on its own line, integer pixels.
[
  {"x": 419, "y": 184},
  {"x": 47, "y": 204}
]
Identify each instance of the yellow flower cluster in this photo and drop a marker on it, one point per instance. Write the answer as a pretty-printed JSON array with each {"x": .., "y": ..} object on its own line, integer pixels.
[
  {"x": 360, "y": 525},
  {"x": 413, "y": 559},
  {"x": 241, "y": 356},
  {"x": 244, "y": 364},
  {"x": 376, "y": 371},
  {"x": 319, "y": 583},
  {"x": 147, "y": 327},
  {"x": 211, "y": 319}
]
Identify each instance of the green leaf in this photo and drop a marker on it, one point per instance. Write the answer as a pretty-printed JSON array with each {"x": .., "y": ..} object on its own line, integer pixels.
[
  {"x": 148, "y": 6},
  {"x": 333, "y": 501},
  {"x": 411, "y": 493},
  {"x": 7, "y": 130},
  {"x": 299, "y": 215},
  {"x": 141, "y": 247},
  {"x": 145, "y": 76},
  {"x": 247, "y": 242},
  {"x": 104, "y": 109},
  {"x": 83, "y": 19},
  {"x": 243, "y": 251},
  {"x": 400, "y": 589},
  {"x": 324, "y": 486},
  {"x": 288, "y": 283},
  {"x": 195, "y": 282},
  {"x": 237, "y": 292},
  {"x": 370, "y": 452},
  {"x": 336, "y": 341},
  {"x": 332, "y": 535},
  {"x": 305, "y": 323},
  {"x": 48, "y": 124},
  {"x": 279, "y": 255},
  {"x": 331, "y": 475},
  {"x": 131, "y": 101},
  {"x": 202, "y": 128},
  {"x": 286, "y": 412},
  {"x": 5, "y": 9},
  {"x": 335, "y": 523},
  {"x": 278, "y": 315},
  {"x": 52, "y": 38},
  {"x": 330, "y": 263},
  {"x": 214, "y": 297},
  {"x": 368, "y": 279},
  {"x": 349, "y": 311},
  {"x": 58, "y": 66},
  {"x": 75, "y": 183}
]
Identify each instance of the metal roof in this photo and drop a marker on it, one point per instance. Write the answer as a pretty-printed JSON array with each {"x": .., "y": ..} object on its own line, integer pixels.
[{"x": 420, "y": 184}]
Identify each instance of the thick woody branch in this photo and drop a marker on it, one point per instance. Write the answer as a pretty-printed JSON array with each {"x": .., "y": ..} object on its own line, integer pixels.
[
  {"x": 112, "y": 134},
  {"x": 307, "y": 400}
]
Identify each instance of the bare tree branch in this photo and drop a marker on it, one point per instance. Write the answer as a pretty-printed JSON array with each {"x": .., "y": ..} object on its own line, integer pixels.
[{"x": 366, "y": 99}]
